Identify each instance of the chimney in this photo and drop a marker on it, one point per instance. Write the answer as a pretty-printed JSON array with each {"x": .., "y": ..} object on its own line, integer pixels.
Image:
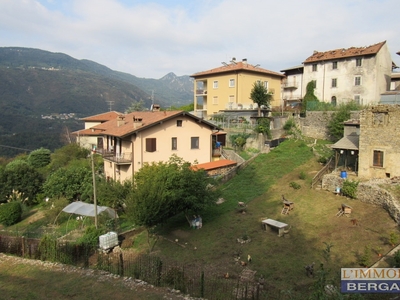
[
  {"x": 137, "y": 122},
  {"x": 155, "y": 107},
  {"x": 120, "y": 120},
  {"x": 244, "y": 60}
]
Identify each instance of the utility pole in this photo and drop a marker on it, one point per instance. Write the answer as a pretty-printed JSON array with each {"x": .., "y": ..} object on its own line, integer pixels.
[
  {"x": 110, "y": 103},
  {"x": 94, "y": 188}
]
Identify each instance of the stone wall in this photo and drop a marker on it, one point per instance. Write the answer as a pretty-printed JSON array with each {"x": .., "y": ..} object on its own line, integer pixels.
[
  {"x": 368, "y": 192},
  {"x": 315, "y": 124}
]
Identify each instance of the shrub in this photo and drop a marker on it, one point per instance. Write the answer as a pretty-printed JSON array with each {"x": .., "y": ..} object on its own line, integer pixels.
[
  {"x": 349, "y": 188},
  {"x": 396, "y": 258},
  {"x": 10, "y": 213},
  {"x": 295, "y": 185},
  {"x": 365, "y": 258},
  {"x": 302, "y": 175},
  {"x": 91, "y": 236},
  {"x": 393, "y": 238}
]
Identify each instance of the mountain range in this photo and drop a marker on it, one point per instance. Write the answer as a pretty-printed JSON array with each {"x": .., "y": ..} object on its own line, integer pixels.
[{"x": 44, "y": 94}]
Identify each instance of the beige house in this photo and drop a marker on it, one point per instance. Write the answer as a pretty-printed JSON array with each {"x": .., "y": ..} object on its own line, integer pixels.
[
  {"x": 357, "y": 73},
  {"x": 379, "y": 146},
  {"x": 228, "y": 88},
  {"x": 292, "y": 85},
  {"x": 129, "y": 141},
  {"x": 91, "y": 137}
]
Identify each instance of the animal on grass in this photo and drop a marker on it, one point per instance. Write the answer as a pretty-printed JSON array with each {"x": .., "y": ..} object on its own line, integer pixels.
[
  {"x": 226, "y": 275},
  {"x": 249, "y": 258},
  {"x": 241, "y": 204},
  {"x": 243, "y": 263},
  {"x": 310, "y": 270},
  {"x": 354, "y": 222}
]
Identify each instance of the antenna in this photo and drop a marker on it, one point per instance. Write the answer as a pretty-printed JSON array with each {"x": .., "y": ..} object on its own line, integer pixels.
[
  {"x": 110, "y": 103},
  {"x": 152, "y": 97}
]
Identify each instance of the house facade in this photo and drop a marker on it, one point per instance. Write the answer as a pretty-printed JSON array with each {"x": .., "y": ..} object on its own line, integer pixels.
[
  {"x": 134, "y": 139},
  {"x": 357, "y": 73},
  {"x": 292, "y": 85},
  {"x": 379, "y": 145},
  {"x": 228, "y": 88},
  {"x": 91, "y": 137}
]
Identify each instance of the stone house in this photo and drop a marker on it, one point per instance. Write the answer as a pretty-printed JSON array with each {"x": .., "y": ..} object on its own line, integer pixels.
[
  {"x": 379, "y": 144},
  {"x": 361, "y": 74}
]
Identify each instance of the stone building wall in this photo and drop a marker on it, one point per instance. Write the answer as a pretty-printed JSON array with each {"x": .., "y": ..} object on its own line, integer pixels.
[
  {"x": 315, "y": 124},
  {"x": 379, "y": 131}
]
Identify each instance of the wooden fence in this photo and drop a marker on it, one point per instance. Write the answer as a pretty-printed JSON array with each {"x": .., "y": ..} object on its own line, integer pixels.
[{"x": 189, "y": 279}]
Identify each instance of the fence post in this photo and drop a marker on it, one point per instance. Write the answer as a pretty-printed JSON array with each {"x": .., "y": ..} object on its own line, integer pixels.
[{"x": 23, "y": 246}]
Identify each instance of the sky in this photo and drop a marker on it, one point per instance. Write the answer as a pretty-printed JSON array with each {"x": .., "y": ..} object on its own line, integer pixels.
[{"x": 152, "y": 38}]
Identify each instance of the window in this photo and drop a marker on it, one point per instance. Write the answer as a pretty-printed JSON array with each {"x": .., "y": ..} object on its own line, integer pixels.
[
  {"x": 215, "y": 100},
  {"x": 178, "y": 123},
  {"x": 266, "y": 84},
  {"x": 357, "y": 80},
  {"x": 358, "y": 62},
  {"x": 151, "y": 145},
  {"x": 215, "y": 84},
  {"x": 174, "y": 143},
  {"x": 194, "y": 142},
  {"x": 357, "y": 99},
  {"x": 334, "y": 82},
  {"x": 314, "y": 67},
  {"x": 231, "y": 82},
  {"x": 334, "y": 65},
  {"x": 378, "y": 158}
]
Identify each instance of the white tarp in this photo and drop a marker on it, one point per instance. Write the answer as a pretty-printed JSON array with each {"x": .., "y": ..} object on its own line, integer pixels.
[{"x": 86, "y": 209}]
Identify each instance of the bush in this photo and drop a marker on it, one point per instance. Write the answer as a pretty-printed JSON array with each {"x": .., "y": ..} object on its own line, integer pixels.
[
  {"x": 349, "y": 188},
  {"x": 295, "y": 185},
  {"x": 302, "y": 175},
  {"x": 396, "y": 258},
  {"x": 10, "y": 213}
]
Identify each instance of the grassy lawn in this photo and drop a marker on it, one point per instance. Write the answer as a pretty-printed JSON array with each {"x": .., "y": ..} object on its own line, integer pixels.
[{"x": 314, "y": 225}]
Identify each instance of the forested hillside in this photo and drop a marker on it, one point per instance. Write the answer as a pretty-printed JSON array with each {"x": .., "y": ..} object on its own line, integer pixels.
[{"x": 43, "y": 95}]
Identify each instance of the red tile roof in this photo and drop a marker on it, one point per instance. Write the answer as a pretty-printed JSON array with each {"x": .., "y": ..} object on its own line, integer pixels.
[
  {"x": 342, "y": 53},
  {"x": 237, "y": 66},
  {"x": 215, "y": 164},
  {"x": 127, "y": 126},
  {"x": 102, "y": 117}
]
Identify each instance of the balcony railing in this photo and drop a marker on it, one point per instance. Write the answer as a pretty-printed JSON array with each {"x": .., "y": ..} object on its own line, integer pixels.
[
  {"x": 290, "y": 85},
  {"x": 120, "y": 158},
  {"x": 201, "y": 92}
]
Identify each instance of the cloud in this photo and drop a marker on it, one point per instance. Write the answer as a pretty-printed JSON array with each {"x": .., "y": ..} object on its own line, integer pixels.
[{"x": 150, "y": 39}]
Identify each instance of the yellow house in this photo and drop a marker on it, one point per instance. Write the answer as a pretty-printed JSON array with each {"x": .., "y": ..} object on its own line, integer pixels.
[
  {"x": 228, "y": 88},
  {"x": 131, "y": 140}
]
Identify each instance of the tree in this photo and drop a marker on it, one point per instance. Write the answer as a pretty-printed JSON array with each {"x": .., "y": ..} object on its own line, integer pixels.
[
  {"x": 309, "y": 96},
  {"x": 39, "y": 158},
  {"x": 164, "y": 189},
  {"x": 335, "y": 125},
  {"x": 260, "y": 95},
  {"x": 72, "y": 182},
  {"x": 135, "y": 106},
  {"x": 22, "y": 177}
]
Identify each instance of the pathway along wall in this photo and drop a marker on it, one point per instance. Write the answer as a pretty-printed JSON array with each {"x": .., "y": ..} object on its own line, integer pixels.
[{"x": 368, "y": 192}]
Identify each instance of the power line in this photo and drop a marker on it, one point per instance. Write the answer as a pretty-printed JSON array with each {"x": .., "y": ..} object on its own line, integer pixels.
[{"x": 16, "y": 148}]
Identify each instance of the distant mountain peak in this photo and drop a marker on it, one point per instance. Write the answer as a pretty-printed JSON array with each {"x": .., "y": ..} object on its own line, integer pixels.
[{"x": 170, "y": 76}]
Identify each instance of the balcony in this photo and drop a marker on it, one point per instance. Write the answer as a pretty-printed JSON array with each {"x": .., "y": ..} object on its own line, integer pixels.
[
  {"x": 118, "y": 158},
  {"x": 201, "y": 92},
  {"x": 290, "y": 85}
]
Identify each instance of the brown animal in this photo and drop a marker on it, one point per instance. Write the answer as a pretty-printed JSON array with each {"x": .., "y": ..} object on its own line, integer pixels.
[
  {"x": 243, "y": 263},
  {"x": 354, "y": 222},
  {"x": 226, "y": 276}
]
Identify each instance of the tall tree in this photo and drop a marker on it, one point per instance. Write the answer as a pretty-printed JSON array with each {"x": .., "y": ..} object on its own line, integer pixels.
[
  {"x": 309, "y": 96},
  {"x": 260, "y": 95},
  {"x": 164, "y": 189}
]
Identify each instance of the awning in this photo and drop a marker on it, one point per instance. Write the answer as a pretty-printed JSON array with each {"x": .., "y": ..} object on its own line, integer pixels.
[{"x": 86, "y": 209}]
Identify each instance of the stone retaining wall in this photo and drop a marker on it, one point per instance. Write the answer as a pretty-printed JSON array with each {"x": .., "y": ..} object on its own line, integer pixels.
[{"x": 368, "y": 192}]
